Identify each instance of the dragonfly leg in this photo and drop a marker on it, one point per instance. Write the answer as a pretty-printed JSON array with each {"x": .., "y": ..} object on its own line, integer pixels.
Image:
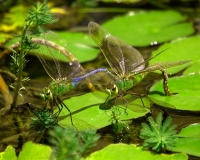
[
  {"x": 70, "y": 113},
  {"x": 125, "y": 102},
  {"x": 57, "y": 102},
  {"x": 138, "y": 95},
  {"x": 165, "y": 83}
]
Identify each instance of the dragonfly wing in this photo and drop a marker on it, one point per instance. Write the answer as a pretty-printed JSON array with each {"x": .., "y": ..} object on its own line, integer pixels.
[
  {"x": 122, "y": 57},
  {"x": 131, "y": 57},
  {"x": 163, "y": 65},
  {"x": 55, "y": 68},
  {"x": 100, "y": 36}
]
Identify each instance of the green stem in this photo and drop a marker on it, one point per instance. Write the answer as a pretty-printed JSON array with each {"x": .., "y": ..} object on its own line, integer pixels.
[{"x": 21, "y": 65}]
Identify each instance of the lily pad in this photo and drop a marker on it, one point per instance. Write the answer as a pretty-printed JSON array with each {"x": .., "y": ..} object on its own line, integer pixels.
[
  {"x": 87, "y": 111},
  {"x": 189, "y": 145},
  {"x": 34, "y": 151},
  {"x": 79, "y": 43},
  {"x": 75, "y": 43},
  {"x": 194, "y": 68},
  {"x": 148, "y": 27},
  {"x": 9, "y": 153},
  {"x": 188, "y": 89},
  {"x": 123, "y": 151},
  {"x": 190, "y": 141},
  {"x": 192, "y": 130},
  {"x": 181, "y": 49}
]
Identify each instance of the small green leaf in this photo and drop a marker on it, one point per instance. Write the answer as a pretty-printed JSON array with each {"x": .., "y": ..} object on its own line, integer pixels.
[
  {"x": 188, "y": 89},
  {"x": 148, "y": 27},
  {"x": 8, "y": 154},
  {"x": 34, "y": 151},
  {"x": 87, "y": 113},
  {"x": 124, "y": 151}
]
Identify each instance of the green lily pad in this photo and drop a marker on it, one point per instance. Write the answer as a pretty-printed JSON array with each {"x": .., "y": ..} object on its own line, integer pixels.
[
  {"x": 9, "y": 153},
  {"x": 75, "y": 43},
  {"x": 190, "y": 140},
  {"x": 148, "y": 27},
  {"x": 79, "y": 43},
  {"x": 34, "y": 151},
  {"x": 123, "y": 151},
  {"x": 194, "y": 68},
  {"x": 189, "y": 145},
  {"x": 88, "y": 111},
  {"x": 188, "y": 97},
  {"x": 181, "y": 49},
  {"x": 192, "y": 130}
]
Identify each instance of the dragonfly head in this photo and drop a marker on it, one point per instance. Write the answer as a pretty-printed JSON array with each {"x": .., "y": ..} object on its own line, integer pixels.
[
  {"x": 112, "y": 90},
  {"x": 46, "y": 94}
]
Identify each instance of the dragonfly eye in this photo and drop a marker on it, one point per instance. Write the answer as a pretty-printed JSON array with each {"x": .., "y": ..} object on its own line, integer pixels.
[{"x": 46, "y": 94}]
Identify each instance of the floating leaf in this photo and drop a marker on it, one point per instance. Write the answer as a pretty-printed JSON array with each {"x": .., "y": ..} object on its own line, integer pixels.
[
  {"x": 188, "y": 89},
  {"x": 181, "y": 49},
  {"x": 194, "y": 68},
  {"x": 190, "y": 141},
  {"x": 34, "y": 151},
  {"x": 124, "y": 151},
  {"x": 148, "y": 27},
  {"x": 87, "y": 112},
  {"x": 79, "y": 43},
  {"x": 192, "y": 130},
  {"x": 9, "y": 153}
]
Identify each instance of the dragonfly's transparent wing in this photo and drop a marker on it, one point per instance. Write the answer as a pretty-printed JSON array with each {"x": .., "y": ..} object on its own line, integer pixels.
[
  {"x": 131, "y": 57},
  {"x": 163, "y": 65},
  {"x": 56, "y": 47},
  {"x": 120, "y": 56}
]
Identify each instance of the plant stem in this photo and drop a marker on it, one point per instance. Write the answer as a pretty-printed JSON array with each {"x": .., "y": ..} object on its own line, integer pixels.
[{"x": 21, "y": 65}]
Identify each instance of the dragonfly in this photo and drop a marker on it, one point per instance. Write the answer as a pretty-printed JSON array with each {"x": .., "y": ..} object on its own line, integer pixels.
[
  {"x": 126, "y": 62},
  {"x": 65, "y": 75}
]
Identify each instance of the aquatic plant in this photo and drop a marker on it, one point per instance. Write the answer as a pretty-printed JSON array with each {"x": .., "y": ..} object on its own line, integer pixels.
[
  {"x": 38, "y": 15},
  {"x": 43, "y": 119},
  {"x": 158, "y": 135},
  {"x": 71, "y": 144},
  {"x": 118, "y": 126}
]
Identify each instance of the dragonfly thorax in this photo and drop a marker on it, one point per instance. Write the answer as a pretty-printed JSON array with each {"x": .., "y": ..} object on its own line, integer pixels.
[
  {"x": 124, "y": 84},
  {"x": 60, "y": 88}
]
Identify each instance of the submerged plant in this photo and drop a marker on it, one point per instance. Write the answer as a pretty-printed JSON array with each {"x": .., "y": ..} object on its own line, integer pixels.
[
  {"x": 38, "y": 15},
  {"x": 71, "y": 144},
  {"x": 43, "y": 119},
  {"x": 158, "y": 135},
  {"x": 118, "y": 126}
]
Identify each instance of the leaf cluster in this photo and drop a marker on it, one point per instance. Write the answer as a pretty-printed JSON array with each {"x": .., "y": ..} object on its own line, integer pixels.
[
  {"x": 158, "y": 136},
  {"x": 71, "y": 144},
  {"x": 118, "y": 126},
  {"x": 43, "y": 119}
]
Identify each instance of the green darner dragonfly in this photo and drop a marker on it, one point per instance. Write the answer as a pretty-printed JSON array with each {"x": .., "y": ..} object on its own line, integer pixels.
[
  {"x": 126, "y": 62},
  {"x": 65, "y": 75}
]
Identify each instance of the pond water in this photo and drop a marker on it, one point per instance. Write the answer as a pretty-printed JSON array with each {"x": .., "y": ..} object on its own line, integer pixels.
[{"x": 15, "y": 126}]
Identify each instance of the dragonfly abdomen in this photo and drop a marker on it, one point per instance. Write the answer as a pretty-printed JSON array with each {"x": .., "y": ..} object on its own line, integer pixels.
[{"x": 78, "y": 79}]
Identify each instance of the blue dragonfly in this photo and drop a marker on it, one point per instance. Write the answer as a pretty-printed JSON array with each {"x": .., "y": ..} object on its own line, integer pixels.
[
  {"x": 126, "y": 62},
  {"x": 65, "y": 75}
]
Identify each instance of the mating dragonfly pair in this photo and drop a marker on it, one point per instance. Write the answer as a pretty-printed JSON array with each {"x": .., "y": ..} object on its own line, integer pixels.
[{"x": 127, "y": 63}]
